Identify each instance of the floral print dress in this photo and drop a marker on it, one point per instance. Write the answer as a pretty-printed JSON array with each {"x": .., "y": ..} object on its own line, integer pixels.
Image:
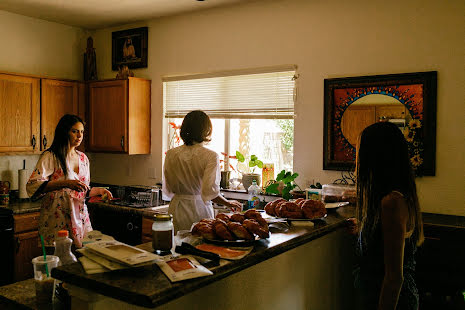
[{"x": 63, "y": 209}]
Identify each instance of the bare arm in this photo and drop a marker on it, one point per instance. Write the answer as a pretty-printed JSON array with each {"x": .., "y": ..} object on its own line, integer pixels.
[
  {"x": 71, "y": 184},
  {"x": 232, "y": 204},
  {"x": 394, "y": 216}
]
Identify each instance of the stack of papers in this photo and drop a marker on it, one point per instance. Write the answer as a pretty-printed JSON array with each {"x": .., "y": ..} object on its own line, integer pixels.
[{"x": 103, "y": 256}]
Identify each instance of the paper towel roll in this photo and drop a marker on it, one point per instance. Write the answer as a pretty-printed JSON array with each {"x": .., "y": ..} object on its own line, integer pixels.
[{"x": 22, "y": 180}]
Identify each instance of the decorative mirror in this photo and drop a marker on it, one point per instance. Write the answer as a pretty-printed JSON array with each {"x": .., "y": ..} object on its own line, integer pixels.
[{"x": 353, "y": 103}]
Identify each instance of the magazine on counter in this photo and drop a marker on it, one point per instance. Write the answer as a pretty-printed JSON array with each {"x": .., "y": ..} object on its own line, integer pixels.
[{"x": 122, "y": 253}]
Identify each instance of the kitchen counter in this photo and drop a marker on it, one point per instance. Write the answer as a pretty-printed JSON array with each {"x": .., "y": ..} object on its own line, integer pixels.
[
  {"x": 24, "y": 207},
  {"x": 147, "y": 212},
  {"x": 148, "y": 287}
]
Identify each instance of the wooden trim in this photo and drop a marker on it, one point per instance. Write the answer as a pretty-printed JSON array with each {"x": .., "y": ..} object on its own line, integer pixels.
[{"x": 37, "y": 76}]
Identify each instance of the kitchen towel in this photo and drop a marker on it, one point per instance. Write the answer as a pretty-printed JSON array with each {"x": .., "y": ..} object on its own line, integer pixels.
[{"x": 22, "y": 180}]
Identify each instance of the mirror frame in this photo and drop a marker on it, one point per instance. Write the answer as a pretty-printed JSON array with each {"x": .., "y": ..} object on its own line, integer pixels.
[{"x": 417, "y": 91}]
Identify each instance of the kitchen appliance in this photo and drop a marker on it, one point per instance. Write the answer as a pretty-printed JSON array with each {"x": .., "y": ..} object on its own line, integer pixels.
[
  {"x": 7, "y": 242},
  {"x": 138, "y": 197}
]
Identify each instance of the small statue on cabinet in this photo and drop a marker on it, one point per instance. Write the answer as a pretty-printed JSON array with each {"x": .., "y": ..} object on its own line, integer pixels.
[
  {"x": 124, "y": 73},
  {"x": 90, "y": 61}
]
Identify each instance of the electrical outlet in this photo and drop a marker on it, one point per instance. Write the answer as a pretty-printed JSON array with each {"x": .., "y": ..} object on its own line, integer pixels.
[{"x": 152, "y": 172}]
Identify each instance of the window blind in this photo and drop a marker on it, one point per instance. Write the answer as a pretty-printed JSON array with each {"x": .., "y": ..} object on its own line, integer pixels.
[{"x": 252, "y": 96}]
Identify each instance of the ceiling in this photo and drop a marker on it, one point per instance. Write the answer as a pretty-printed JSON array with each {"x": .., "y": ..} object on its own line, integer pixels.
[{"x": 96, "y": 14}]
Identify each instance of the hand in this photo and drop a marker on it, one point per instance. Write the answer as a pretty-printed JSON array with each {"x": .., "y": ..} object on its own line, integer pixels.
[
  {"x": 351, "y": 226},
  {"x": 77, "y": 185},
  {"x": 235, "y": 206},
  {"x": 106, "y": 194}
]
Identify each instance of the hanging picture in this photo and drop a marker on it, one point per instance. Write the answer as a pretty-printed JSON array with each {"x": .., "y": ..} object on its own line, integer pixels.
[{"x": 129, "y": 48}]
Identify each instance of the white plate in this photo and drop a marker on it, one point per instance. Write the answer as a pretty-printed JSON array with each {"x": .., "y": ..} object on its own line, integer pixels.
[{"x": 333, "y": 205}]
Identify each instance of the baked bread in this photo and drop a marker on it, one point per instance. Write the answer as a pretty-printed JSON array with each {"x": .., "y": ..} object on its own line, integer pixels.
[
  {"x": 299, "y": 201},
  {"x": 253, "y": 227},
  {"x": 313, "y": 209},
  {"x": 221, "y": 230},
  {"x": 223, "y": 217},
  {"x": 240, "y": 231},
  {"x": 290, "y": 210},
  {"x": 277, "y": 209},
  {"x": 270, "y": 206},
  {"x": 204, "y": 230},
  {"x": 237, "y": 217}
]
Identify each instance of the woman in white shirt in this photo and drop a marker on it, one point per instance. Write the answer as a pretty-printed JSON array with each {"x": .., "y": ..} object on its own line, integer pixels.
[{"x": 192, "y": 175}]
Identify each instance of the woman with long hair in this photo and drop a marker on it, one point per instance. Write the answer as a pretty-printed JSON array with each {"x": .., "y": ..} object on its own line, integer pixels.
[
  {"x": 192, "y": 174},
  {"x": 388, "y": 222},
  {"x": 62, "y": 176}
]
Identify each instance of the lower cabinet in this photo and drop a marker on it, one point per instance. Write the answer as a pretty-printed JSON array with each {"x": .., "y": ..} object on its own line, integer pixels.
[
  {"x": 26, "y": 244},
  {"x": 146, "y": 230}
]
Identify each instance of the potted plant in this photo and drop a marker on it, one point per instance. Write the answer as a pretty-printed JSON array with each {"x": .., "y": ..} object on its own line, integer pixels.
[
  {"x": 248, "y": 176},
  {"x": 284, "y": 185}
]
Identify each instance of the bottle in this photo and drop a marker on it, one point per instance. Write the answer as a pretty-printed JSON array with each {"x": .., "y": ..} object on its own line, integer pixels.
[
  {"x": 63, "y": 251},
  {"x": 162, "y": 234},
  {"x": 253, "y": 201},
  {"x": 63, "y": 248}
]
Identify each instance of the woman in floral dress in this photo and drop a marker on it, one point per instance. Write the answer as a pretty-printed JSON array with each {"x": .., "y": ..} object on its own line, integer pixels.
[{"x": 62, "y": 176}]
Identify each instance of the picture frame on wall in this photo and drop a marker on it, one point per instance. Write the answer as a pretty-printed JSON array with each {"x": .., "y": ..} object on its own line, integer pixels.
[{"x": 129, "y": 48}]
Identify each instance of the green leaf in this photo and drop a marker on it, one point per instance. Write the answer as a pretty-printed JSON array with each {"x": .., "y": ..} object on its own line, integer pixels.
[
  {"x": 240, "y": 157},
  {"x": 259, "y": 164},
  {"x": 253, "y": 158},
  {"x": 281, "y": 175},
  {"x": 252, "y": 163},
  {"x": 273, "y": 188}
]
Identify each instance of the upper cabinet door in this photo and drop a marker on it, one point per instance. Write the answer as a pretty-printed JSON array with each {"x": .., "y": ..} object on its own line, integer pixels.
[
  {"x": 19, "y": 114},
  {"x": 108, "y": 116},
  {"x": 58, "y": 98}
]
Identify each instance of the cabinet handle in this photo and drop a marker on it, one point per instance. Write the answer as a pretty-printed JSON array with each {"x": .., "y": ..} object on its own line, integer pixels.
[
  {"x": 33, "y": 142},
  {"x": 18, "y": 243},
  {"x": 122, "y": 142},
  {"x": 45, "y": 142}
]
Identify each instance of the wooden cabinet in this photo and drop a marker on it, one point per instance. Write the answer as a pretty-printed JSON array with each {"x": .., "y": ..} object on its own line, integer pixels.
[
  {"x": 57, "y": 99},
  {"x": 119, "y": 116},
  {"x": 146, "y": 230},
  {"x": 19, "y": 114},
  {"x": 26, "y": 244}
]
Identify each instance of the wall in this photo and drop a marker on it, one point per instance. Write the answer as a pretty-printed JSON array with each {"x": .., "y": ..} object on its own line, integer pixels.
[
  {"x": 325, "y": 39},
  {"x": 36, "y": 47}
]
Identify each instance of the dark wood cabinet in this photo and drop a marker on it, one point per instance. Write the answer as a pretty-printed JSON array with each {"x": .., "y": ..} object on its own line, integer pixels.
[
  {"x": 26, "y": 244},
  {"x": 147, "y": 229},
  {"x": 440, "y": 268}
]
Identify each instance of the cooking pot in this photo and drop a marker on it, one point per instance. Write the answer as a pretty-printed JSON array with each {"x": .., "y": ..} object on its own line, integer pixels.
[{"x": 4, "y": 188}]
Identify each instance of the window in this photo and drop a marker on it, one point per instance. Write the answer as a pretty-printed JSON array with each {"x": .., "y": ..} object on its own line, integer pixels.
[{"x": 251, "y": 112}]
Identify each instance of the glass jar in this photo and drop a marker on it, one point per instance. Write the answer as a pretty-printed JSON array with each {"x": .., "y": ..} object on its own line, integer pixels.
[{"x": 162, "y": 234}]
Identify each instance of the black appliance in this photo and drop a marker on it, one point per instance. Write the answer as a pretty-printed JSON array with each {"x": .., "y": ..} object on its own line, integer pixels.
[
  {"x": 123, "y": 225},
  {"x": 7, "y": 242}
]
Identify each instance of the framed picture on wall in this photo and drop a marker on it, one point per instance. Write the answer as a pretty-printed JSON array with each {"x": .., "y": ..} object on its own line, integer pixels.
[{"x": 129, "y": 48}]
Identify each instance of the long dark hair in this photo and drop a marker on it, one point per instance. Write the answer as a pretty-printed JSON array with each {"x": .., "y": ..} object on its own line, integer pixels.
[
  {"x": 196, "y": 127},
  {"x": 60, "y": 144},
  {"x": 383, "y": 166}
]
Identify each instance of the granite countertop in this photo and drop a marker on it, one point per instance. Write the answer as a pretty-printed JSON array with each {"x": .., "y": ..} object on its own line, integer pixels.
[
  {"x": 147, "y": 212},
  {"x": 22, "y": 295},
  {"x": 24, "y": 207},
  {"x": 148, "y": 286}
]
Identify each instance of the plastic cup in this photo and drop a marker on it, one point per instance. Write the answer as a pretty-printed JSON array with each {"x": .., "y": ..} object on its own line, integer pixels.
[{"x": 44, "y": 284}]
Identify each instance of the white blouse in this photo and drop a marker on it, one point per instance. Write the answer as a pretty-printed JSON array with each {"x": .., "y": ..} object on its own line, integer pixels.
[{"x": 191, "y": 180}]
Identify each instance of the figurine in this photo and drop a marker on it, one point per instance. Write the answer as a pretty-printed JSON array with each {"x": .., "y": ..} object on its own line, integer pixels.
[
  {"x": 124, "y": 73},
  {"x": 90, "y": 61}
]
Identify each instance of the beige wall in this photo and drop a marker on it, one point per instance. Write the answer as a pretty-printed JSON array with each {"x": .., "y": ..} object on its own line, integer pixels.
[
  {"x": 325, "y": 39},
  {"x": 33, "y": 46}
]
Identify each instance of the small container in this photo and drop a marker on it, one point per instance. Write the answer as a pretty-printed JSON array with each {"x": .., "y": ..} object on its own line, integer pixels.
[
  {"x": 313, "y": 193},
  {"x": 162, "y": 234},
  {"x": 43, "y": 281},
  {"x": 334, "y": 192}
]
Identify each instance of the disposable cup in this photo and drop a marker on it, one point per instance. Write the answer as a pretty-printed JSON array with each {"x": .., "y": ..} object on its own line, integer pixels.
[{"x": 44, "y": 283}]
